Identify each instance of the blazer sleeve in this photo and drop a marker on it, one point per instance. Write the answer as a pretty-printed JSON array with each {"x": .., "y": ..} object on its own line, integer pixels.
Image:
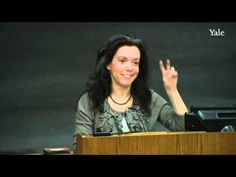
[
  {"x": 166, "y": 114},
  {"x": 84, "y": 117}
]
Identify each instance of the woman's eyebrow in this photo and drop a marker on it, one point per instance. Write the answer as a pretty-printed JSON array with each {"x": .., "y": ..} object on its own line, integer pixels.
[{"x": 128, "y": 58}]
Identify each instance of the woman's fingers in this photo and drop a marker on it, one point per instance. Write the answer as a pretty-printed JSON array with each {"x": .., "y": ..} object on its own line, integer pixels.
[
  {"x": 162, "y": 68},
  {"x": 168, "y": 64}
]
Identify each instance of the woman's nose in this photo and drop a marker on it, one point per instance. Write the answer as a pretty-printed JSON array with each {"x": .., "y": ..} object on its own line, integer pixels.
[{"x": 129, "y": 67}]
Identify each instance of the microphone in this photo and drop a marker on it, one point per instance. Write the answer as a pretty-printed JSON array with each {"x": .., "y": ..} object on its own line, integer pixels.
[
  {"x": 110, "y": 133},
  {"x": 228, "y": 128}
]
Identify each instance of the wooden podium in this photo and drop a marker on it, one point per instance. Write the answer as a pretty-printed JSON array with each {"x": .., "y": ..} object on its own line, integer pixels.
[{"x": 159, "y": 143}]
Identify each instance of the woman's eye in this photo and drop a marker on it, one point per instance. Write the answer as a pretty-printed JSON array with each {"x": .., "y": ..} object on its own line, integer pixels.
[
  {"x": 136, "y": 63},
  {"x": 122, "y": 60}
]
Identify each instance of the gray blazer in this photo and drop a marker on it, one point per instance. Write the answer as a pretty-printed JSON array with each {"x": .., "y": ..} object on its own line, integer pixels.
[{"x": 162, "y": 117}]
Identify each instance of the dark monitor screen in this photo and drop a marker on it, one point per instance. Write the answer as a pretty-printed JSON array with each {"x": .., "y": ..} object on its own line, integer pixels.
[{"x": 211, "y": 119}]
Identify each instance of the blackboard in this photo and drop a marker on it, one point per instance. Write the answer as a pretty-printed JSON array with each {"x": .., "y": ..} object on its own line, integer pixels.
[{"x": 45, "y": 65}]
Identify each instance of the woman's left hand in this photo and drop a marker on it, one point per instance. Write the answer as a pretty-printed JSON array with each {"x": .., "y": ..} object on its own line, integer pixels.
[{"x": 169, "y": 76}]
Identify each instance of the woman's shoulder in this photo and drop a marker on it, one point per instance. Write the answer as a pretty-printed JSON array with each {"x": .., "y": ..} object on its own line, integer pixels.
[
  {"x": 156, "y": 97},
  {"x": 84, "y": 96},
  {"x": 83, "y": 101},
  {"x": 154, "y": 94}
]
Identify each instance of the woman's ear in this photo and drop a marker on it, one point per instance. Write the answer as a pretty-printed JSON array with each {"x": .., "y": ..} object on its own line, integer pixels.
[{"x": 108, "y": 67}]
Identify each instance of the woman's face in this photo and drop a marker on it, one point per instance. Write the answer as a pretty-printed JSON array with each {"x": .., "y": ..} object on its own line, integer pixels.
[{"x": 124, "y": 67}]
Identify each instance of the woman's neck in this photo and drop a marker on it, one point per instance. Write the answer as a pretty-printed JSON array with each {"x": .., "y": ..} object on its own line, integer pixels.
[
  {"x": 120, "y": 99},
  {"x": 120, "y": 92}
]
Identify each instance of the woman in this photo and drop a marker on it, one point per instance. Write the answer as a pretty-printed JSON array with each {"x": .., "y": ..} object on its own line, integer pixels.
[{"x": 118, "y": 98}]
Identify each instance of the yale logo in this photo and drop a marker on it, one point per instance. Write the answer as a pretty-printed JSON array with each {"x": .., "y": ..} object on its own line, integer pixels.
[{"x": 218, "y": 32}]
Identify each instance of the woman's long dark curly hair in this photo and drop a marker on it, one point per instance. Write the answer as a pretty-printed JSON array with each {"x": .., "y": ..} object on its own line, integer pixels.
[{"x": 99, "y": 85}]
